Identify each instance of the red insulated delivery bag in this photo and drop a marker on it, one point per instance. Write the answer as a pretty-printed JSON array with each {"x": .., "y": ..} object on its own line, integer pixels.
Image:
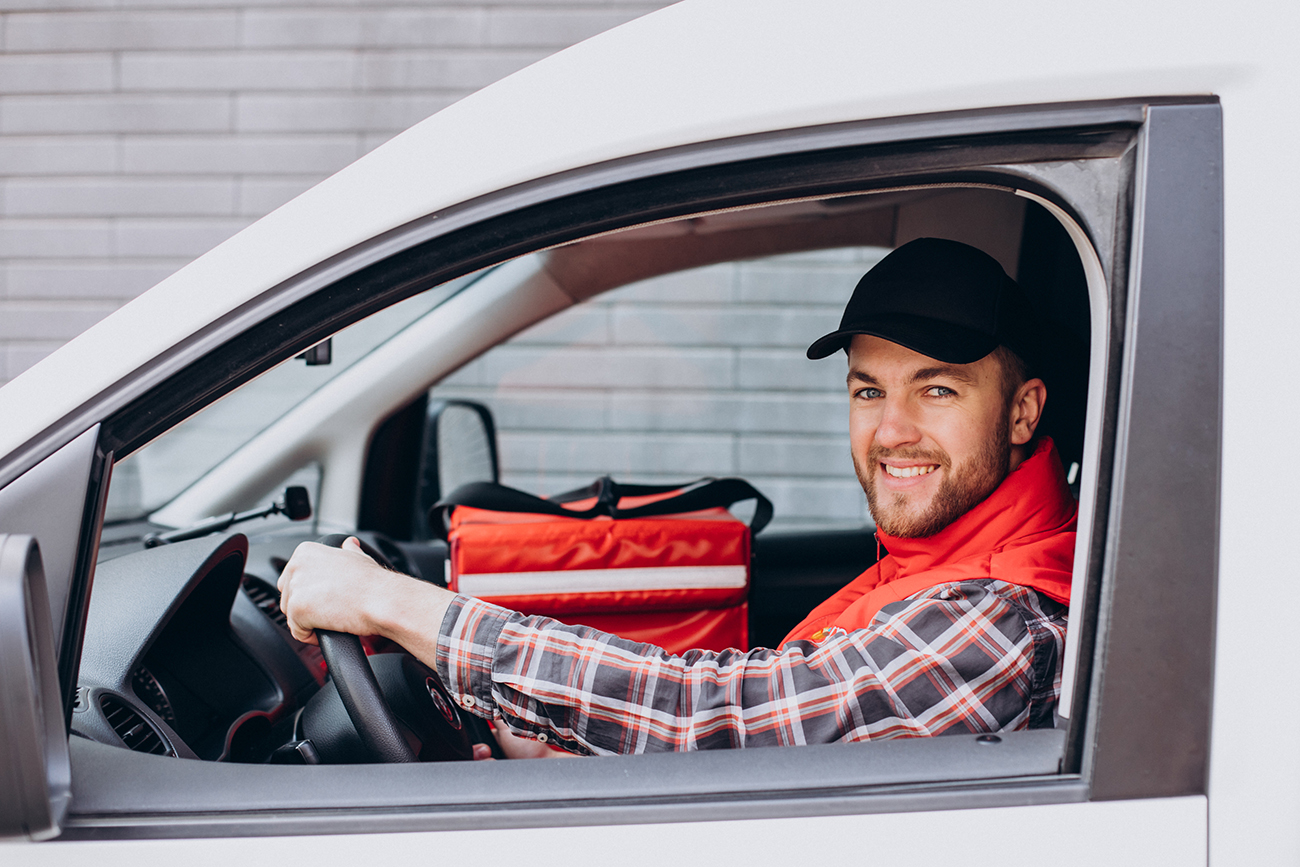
[{"x": 668, "y": 565}]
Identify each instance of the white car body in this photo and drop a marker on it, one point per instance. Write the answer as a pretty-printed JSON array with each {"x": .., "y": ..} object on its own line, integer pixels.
[{"x": 701, "y": 72}]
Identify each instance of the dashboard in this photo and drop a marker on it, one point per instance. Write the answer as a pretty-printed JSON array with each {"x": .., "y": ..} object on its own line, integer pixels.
[{"x": 186, "y": 654}]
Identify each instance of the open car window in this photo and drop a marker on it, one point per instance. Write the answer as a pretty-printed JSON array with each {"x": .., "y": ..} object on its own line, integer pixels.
[{"x": 659, "y": 374}]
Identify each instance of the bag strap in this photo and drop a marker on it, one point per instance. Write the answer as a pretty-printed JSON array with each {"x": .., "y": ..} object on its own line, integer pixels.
[
  {"x": 608, "y": 486},
  {"x": 706, "y": 493}
]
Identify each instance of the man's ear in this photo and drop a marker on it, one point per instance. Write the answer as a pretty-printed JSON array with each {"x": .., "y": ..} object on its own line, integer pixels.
[{"x": 1025, "y": 410}]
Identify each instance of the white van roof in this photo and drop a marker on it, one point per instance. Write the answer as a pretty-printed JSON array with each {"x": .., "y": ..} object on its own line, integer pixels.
[{"x": 696, "y": 71}]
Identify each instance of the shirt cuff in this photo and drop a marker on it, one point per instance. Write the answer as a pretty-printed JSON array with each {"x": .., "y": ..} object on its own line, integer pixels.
[{"x": 467, "y": 645}]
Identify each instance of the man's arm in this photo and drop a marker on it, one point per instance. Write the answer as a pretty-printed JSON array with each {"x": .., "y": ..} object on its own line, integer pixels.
[{"x": 958, "y": 658}]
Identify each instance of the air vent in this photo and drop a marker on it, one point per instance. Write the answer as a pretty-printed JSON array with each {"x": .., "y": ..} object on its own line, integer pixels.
[
  {"x": 132, "y": 728},
  {"x": 265, "y": 597}
]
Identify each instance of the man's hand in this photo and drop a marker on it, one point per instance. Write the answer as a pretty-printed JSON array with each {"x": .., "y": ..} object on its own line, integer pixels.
[
  {"x": 328, "y": 588},
  {"x": 342, "y": 589},
  {"x": 516, "y": 747}
]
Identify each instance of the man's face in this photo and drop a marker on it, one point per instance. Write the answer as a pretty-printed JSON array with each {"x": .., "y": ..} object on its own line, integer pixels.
[{"x": 930, "y": 440}]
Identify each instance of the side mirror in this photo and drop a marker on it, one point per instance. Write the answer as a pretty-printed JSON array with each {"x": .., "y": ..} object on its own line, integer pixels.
[
  {"x": 460, "y": 445},
  {"x": 35, "y": 774}
]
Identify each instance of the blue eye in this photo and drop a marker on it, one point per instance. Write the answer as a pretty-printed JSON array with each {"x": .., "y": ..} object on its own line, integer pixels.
[
  {"x": 940, "y": 391},
  {"x": 869, "y": 393}
]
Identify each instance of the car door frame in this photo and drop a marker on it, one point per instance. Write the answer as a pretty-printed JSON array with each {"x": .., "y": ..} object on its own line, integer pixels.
[{"x": 1145, "y": 732}]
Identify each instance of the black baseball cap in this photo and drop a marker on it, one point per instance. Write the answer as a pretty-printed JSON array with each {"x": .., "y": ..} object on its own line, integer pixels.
[{"x": 943, "y": 299}]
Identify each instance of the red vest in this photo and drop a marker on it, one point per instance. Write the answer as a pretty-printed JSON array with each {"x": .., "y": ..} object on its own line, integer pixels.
[{"x": 1022, "y": 534}]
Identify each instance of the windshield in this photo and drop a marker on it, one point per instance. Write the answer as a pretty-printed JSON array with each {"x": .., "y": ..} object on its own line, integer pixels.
[{"x": 148, "y": 479}]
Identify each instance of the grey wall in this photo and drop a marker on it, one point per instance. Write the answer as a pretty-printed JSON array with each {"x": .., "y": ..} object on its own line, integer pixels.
[
  {"x": 136, "y": 135},
  {"x": 698, "y": 373}
]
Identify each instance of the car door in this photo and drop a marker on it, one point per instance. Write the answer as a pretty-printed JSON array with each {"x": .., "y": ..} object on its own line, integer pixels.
[{"x": 1115, "y": 177}]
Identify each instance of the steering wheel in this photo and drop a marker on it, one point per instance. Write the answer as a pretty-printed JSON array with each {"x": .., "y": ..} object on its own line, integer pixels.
[{"x": 357, "y": 686}]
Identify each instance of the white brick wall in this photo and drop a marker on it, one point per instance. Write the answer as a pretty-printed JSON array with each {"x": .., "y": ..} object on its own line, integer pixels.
[{"x": 137, "y": 134}]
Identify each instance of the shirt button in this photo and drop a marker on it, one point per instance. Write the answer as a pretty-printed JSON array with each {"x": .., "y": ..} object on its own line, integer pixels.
[
  {"x": 467, "y": 700},
  {"x": 542, "y": 738}
]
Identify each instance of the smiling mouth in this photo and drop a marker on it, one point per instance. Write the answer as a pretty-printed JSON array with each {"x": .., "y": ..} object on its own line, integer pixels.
[{"x": 908, "y": 472}]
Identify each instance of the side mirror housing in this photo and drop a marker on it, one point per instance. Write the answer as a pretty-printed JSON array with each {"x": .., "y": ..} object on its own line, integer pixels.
[
  {"x": 460, "y": 445},
  {"x": 35, "y": 773}
]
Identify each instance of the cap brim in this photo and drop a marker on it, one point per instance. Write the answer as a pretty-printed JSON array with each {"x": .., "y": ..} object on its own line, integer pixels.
[{"x": 942, "y": 341}]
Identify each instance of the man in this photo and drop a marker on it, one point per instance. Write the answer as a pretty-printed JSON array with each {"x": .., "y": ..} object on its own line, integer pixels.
[{"x": 960, "y": 629}]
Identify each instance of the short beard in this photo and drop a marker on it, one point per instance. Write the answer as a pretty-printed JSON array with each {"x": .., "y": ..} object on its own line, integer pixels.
[{"x": 961, "y": 490}]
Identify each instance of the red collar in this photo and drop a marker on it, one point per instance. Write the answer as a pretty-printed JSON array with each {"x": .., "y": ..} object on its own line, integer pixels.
[
  {"x": 1033, "y": 499},
  {"x": 1023, "y": 533}
]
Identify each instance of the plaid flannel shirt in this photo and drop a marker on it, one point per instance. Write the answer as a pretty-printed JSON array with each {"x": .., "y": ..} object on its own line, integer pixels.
[{"x": 978, "y": 656}]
